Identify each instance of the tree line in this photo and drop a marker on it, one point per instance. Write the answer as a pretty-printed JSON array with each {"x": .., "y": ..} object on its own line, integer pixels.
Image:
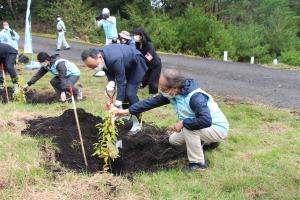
[{"x": 265, "y": 29}]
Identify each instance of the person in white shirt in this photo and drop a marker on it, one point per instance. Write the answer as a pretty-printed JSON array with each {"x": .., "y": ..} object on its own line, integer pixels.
[
  {"x": 61, "y": 29},
  {"x": 109, "y": 24},
  {"x": 9, "y": 36}
]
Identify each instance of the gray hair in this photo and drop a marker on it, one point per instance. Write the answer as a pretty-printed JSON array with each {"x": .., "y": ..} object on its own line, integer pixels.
[{"x": 174, "y": 79}]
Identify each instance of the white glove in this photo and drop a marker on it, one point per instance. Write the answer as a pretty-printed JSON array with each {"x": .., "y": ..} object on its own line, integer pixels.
[
  {"x": 110, "y": 87},
  {"x": 118, "y": 104}
]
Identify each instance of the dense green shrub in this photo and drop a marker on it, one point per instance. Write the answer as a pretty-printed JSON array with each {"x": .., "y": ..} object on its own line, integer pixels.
[
  {"x": 202, "y": 34},
  {"x": 290, "y": 58}
]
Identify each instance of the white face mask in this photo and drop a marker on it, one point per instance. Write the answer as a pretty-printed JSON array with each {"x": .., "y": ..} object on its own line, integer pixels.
[
  {"x": 167, "y": 95},
  {"x": 6, "y": 27},
  {"x": 137, "y": 38},
  {"x": 58, "y": 19},
  {"x": 100, "y": 67}
]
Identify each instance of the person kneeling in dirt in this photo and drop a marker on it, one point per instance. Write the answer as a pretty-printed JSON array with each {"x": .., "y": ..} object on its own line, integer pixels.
[
  {"x": 66, "y": 74},
  {"x": 200, "y": 117},
  {"x": 123, "y": 65},
  {"x": 8, "y": 56}
]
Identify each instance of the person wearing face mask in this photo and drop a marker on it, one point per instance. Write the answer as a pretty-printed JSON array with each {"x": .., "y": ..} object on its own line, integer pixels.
[
  {"x": 144, "y": 44},
  {"x": 200, "y": 118},
  {"x": 66, "y": 73},
  {"x": 61, "y": 29},
  {"x": 109, "y": 24},
  {"x": 125, "y": 67},
  {"x": 9, "y": 36},
  {"x": 125, "y": 38},
  {"x": 8, "y": 56}
]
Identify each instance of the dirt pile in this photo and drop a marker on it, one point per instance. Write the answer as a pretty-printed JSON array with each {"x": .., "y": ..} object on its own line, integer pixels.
[
  {"x": 148, "y": 150},
  {"x": 32, "y": 96}
]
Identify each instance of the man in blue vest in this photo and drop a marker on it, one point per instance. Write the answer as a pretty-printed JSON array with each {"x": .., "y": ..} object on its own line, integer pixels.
[
  {"x": 125, "y": 67},
  {"x": 66, "y": 74},
  {"x": 200, "y": 118}
]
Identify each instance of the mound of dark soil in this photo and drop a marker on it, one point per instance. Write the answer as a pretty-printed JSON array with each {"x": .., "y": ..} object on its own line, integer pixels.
[
  {"x": 148, "y": 150},
  {"x": 32, "y": 96}
]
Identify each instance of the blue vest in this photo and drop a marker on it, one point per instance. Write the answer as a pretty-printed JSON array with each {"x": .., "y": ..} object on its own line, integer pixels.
[
  {"x": 72, "y": 69},
  {"x": 182, "y": 107},
  {"x": 110, "y": 29}
]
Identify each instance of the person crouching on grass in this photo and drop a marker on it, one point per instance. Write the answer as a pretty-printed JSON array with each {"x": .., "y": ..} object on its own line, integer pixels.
[
  {"x": 66, "y": 73},
  {"x": 200, "y": 118}
]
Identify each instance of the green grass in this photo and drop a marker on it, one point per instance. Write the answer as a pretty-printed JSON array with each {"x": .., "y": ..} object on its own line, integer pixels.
[{"x": 260, "y": 159}]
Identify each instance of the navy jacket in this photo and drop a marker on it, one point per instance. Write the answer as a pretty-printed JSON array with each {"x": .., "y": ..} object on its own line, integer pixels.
[
  {"x": 124, "y": 64},
  {"x": 198, "y": 104},
  {"x": 6, "y": 49}
]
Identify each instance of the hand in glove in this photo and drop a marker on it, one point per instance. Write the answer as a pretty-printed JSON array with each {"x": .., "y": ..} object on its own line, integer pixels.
[
  {"x": 63, "y": 97},
  {"x": 25, "y": 87},
  {"x": 110, "y": 88}
]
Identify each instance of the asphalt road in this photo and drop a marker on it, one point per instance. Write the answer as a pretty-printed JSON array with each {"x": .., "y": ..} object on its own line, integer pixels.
[{"x": 276, "y": 87}]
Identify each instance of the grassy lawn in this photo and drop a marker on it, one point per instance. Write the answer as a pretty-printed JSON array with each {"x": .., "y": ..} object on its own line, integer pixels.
[{"x": 260, "y": 159}]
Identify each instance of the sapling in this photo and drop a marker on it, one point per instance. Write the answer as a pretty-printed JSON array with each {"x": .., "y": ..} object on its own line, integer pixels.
[
  {"x": 106, "y": 148},
  {"x": 20, "y": 96}
]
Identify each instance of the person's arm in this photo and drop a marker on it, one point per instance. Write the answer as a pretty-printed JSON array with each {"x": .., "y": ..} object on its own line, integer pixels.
[
  {"x": 62, "y": 73},
  {"x": 198, "y": 104},
  {"x": 99, "y": 23},
  {"x": 112, "y": 20},
  {"x": 148, "y": 104},
  {"x": 17, "y": 36},
  {"x": 42, "y": 71}
]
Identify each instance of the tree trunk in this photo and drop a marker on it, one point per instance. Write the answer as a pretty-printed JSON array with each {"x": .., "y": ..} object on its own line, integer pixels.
[{"x": 10, "y": 5}]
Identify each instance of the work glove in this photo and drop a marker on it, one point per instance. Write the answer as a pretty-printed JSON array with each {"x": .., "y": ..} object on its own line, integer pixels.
[
  {"x": 118, "y": 104},
  {"x": 110, "y": 88},
  {"x": 25, "y": 87},
  {"x": 63, "y": 97}
]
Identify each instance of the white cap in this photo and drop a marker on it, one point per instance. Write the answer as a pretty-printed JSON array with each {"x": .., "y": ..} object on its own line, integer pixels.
[{"x": 105, "y": 11}]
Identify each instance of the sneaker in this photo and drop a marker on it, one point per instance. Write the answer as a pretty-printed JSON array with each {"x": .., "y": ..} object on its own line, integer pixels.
[
  {"x": 68, "y": 48},
  {"x": 197, "y": 166},
  {"x": 136, "y": 127},
  {"x": 16, "y": 89},
  {"x": 1, "y": 86},
  {"x": 79, "y": 96},
  {"x": 57, "y": 50}
]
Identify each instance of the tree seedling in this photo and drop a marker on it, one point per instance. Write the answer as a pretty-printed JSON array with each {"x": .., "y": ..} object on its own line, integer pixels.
[{"x": 106, "y": 147}]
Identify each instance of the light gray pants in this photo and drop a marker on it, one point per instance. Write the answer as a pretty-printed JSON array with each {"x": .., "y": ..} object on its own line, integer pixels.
[
  {"x": 61, "y": 40},
  {"x": 192, "y": 140}
]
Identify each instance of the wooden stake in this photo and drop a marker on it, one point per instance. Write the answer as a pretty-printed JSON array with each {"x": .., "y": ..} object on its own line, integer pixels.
[{"x": 78, "y": 127}]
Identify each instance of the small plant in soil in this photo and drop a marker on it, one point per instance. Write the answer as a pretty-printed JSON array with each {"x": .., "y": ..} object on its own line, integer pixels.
[
  {"x": 20, "y": 96},
  {"x": 106, "y": 148}
]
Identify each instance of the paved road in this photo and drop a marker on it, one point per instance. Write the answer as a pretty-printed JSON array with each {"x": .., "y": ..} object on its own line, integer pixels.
[{"x": 280, "y": 88}]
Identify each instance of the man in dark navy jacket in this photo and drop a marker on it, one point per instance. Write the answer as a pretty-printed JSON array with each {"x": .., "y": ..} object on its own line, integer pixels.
[
  {"x": 124, "y": 66},
  {"x": 8, "y": 57},
  {"x": 200, "y": 118}
]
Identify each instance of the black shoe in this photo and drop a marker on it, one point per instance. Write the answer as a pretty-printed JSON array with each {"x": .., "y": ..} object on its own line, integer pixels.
[
  {"x": 197, "y": 166},
  {"x": 68, "y": 48},
  {"x": 57, "y": 50},
  {"x": 211, "y": 146}
]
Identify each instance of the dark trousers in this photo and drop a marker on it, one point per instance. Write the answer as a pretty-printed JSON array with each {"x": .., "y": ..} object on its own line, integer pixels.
[
  {"x": 60, "y": 87},
  {"x": 9, "y": 66},
  {"x": 134, "y": 79},
  {"x": 151, "y": 78}
]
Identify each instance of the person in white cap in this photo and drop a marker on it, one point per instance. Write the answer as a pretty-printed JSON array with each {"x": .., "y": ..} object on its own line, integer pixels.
[
  {"x": 61, "y": 29},
  {"x": 125, "y": 38},
  {"x": 109, "y": 24}
]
